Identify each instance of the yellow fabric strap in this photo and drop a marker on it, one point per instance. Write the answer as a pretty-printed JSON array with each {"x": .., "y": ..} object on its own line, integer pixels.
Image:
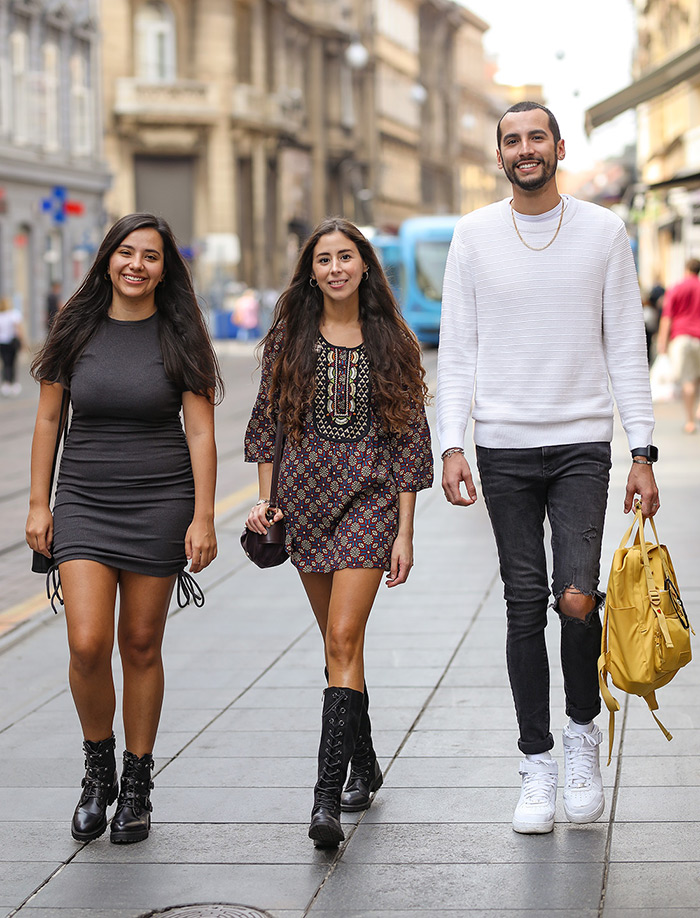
[
  {"x": 653, "y": 706},
  {"x": 652, "y": 589},
  {"x": 611, "y": 703}
]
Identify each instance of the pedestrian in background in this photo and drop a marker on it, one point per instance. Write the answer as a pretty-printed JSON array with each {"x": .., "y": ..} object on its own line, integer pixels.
[
  {"x": 11, "y": 340},
  {"x": 135, "y": 494},
  {"x": 53, "y": 303},
  {"x": 343, "y": 370},
  {"x": 540, "y": 304},
  {"x": 679, "y": 335}
]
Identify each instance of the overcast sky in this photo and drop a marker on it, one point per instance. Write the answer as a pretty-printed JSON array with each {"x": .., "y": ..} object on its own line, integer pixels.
[{"x": 580, "y": 52}]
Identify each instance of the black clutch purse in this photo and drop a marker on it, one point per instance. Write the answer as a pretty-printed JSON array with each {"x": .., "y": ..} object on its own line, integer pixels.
[
  {"x": 269, "y": 550},
  {"x": 40, "y": 563}
]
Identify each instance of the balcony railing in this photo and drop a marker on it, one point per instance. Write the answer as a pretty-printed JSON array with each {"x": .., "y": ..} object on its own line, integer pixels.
[{"x": 181, "y": 100}]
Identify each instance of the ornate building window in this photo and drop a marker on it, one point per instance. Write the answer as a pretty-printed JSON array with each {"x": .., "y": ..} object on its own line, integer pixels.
[
  {"x": 19, "y": 65},
  {"x": 51, "y": 61},
  {"x": 155, "y": 43},
  {"x": 81, "y": 106}
]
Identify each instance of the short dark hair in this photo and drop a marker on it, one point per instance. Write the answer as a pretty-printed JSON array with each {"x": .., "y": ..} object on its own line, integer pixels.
[
  {"x": 528, "y": 107},
  {"x": 693, "y": 265}
]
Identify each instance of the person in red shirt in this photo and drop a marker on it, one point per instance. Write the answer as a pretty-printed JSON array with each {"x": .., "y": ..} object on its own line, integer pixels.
[{"x": 679, "y": 334}]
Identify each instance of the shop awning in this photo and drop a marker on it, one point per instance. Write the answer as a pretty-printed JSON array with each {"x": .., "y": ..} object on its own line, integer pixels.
[{"x": 675, "y": 70}]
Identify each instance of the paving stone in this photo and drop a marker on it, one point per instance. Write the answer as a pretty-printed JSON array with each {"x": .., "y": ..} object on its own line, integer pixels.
[
  {"x": 19, "y": 880},
  {"x": 534, "y": 886},
  {"x": 676, "y": 842},
  {"x": 653, "y": 886},
  {"x": 658, "y": 804},
  {"x": 150, "y": 886},
  {"x": 472, "y": 843},
  {"x": 214, "y": 843},
  {"x": 439, "y": 804}
]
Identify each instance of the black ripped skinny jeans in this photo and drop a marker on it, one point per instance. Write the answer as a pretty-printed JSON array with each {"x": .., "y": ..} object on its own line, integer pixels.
[{"x": 570, "y": 484}]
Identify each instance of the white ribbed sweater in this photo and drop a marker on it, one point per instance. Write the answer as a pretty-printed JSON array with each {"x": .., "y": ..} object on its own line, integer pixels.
[{"x": 533, "y": 336}]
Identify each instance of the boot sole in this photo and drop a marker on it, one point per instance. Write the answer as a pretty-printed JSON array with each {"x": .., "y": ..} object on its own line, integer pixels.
[
  {"x": 325, "y": 836},
  {"x": 88, "y": 836},
  {"x": 127, "y": 838}
]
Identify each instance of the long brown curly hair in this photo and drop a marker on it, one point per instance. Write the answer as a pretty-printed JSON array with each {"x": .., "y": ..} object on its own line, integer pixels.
[
  {"x": 188, "y": 355},
  {"x": 398, "y": 376}
]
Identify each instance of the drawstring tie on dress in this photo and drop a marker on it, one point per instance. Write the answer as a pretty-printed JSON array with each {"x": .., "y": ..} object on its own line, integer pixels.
[
  {"x": 54, "y": 591},
  {"x": 188, "y": 590}
]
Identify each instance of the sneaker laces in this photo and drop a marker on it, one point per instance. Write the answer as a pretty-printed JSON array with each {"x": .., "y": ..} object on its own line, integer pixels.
[
  {"x": 581, "y": 759},
  {"x": 538, "y": 786}
]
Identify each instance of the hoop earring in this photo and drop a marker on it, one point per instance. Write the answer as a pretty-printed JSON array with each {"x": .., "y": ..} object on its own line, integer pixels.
[
  {"x": 365, "y": 275},
  {"x": 313, "y": 282}
]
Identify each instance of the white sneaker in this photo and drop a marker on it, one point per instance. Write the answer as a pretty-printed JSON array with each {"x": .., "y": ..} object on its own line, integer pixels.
[
  {"x": 534, "y": 813},
  {"x": 584, "y": 800}
]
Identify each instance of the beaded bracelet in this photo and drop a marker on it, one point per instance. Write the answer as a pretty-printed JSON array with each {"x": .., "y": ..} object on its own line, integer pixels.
[{"x": 451, "y": 451}]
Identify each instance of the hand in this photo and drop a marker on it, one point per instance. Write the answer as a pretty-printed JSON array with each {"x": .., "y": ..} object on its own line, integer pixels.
[
  {"x": 455, "y": 470},
  {"x": 200, "y": 544},
  {"x": 258, "y": 520},
  {"x": 401, "y": 560},
  {"x": 39, "y": 530},
  {"x": 641, "y": 481}
]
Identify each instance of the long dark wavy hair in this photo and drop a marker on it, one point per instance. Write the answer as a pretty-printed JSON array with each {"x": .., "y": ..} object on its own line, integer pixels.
[
  {"x": 188, "y": 355},
  {"x": 398, "y": 377}
]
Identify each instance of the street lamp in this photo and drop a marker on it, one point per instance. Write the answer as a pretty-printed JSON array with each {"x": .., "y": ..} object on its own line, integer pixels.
[{"x": 356, "y": 54}]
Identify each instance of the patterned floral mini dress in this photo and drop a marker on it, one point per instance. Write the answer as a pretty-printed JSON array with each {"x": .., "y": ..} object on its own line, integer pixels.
[{"x": 339, "y": 486}]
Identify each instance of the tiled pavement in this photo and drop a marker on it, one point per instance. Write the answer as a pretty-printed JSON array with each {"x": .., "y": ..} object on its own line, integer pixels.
[{"x": 236, "y": 753}]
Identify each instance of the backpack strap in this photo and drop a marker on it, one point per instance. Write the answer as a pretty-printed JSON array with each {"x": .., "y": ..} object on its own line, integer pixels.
[
  {"x": 654, "y": 706},
  {"x": 652, "y": 589}
]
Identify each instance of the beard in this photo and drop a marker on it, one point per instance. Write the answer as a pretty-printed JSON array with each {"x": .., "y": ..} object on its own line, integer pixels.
[{"x": 531, "y": 183}]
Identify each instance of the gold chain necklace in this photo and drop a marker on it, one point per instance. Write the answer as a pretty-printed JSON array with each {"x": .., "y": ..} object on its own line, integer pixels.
[{"x": 542, "y": 247}]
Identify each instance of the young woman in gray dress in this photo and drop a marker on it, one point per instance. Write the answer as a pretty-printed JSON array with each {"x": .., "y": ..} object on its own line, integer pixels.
[
  {"x": 135, "y": 495},
  {"x": 343, "y": 369}
]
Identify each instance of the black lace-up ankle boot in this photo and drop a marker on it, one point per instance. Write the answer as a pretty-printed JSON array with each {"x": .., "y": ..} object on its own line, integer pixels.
[
  {"x": 340, "y": 722},
  {"x": 132, "y": 820},
  {"x": 365, "y": 774},
  {"x": 100, "y": 788}
]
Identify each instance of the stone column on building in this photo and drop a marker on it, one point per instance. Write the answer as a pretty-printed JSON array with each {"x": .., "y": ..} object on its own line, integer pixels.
[{"x": 317, "y": 125}]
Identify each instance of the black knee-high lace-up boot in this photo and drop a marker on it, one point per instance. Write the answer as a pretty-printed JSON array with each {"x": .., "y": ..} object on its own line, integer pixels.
[
  {"x": 100, "y": 788},
  {"x": 365, "y": 774},
  {"x": 340, "y": 722},
  {"x": 132, "y": 820}
]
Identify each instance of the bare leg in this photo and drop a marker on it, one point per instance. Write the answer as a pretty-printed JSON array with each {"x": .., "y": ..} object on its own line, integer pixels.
[
  {"x": 143, "y": 609},
  {"x": 89, "y": 592},
  {"x": 689, "y": 394},
  {"x": 342, "y": 604}
]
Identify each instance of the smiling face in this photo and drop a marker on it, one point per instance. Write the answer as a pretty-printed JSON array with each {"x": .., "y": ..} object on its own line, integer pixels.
[
  {"x": 528, "y": 153},
  {"x": 136, "y": 267},
  {"x": 337, "y": 266}
]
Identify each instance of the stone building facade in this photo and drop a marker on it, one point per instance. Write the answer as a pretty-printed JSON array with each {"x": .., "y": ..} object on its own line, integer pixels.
[
  {"x": 52, "y": 177},
  {"x": 666, "y": 96},
  {"x": 244, "y": 122}
]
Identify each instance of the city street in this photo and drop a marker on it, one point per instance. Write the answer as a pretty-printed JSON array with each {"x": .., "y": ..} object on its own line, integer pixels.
[{"x": 236, "y": 752}]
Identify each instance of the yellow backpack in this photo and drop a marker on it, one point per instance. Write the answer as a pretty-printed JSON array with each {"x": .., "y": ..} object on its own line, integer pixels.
[{"x": 646, "y": 632}]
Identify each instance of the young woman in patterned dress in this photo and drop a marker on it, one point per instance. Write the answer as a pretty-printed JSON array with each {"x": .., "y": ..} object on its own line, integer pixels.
[{"x": 344, "y": 371}]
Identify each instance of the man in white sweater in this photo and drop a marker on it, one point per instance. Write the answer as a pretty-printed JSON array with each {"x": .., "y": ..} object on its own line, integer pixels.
[{"x": 540, "y": 307}]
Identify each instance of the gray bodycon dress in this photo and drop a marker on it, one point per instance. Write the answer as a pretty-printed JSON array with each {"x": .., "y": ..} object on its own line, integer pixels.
[{"x": 125, "y": 493}]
